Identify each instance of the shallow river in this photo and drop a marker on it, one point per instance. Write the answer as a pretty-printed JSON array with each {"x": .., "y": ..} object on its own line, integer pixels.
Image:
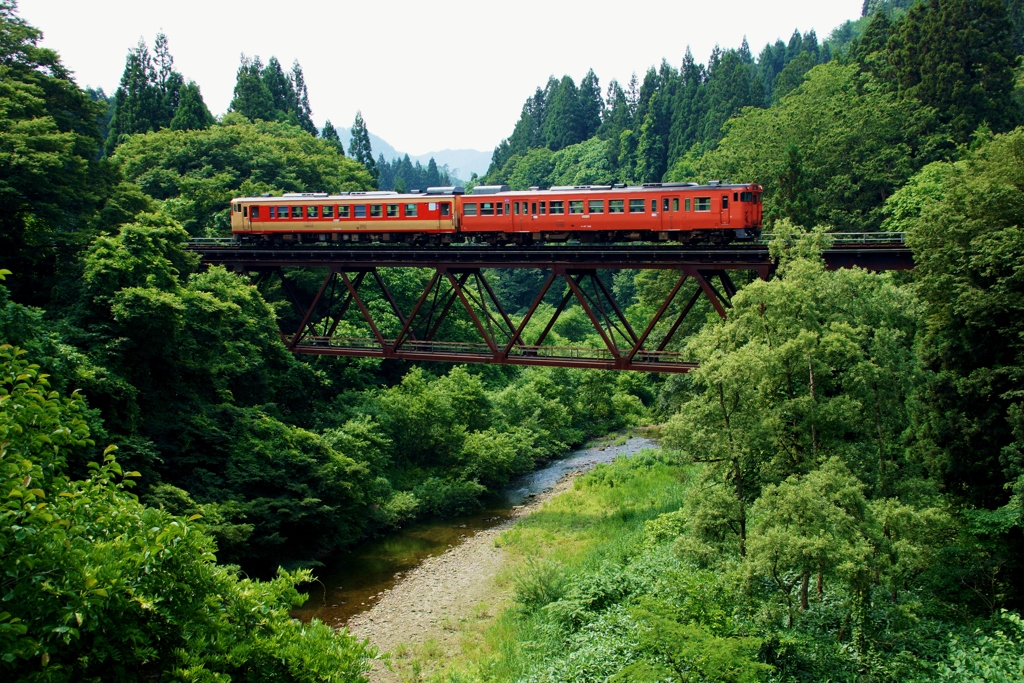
[{"x": 349, "y": 582}]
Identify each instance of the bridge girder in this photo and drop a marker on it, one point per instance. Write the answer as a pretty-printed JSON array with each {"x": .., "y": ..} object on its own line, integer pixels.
[{"x": 459, "y": 284}]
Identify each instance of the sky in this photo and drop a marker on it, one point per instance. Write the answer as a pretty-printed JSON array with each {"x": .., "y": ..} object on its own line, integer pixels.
[{"x": 426, "y": 76}]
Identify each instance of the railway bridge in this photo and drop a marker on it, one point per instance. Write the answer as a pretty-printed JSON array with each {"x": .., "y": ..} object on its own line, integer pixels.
[{"x": 354, "y": 294}]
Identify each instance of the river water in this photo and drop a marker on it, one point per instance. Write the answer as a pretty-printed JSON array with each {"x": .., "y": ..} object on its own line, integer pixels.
[{"x": 350, "y": 582}]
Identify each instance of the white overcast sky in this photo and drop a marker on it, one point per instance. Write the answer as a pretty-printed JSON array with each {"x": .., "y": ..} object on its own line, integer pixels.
[{"x": 426, "y": 75}]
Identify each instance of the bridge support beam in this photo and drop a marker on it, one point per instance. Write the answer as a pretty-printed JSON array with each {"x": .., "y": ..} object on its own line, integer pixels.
[{"x": 456, "y": 295}]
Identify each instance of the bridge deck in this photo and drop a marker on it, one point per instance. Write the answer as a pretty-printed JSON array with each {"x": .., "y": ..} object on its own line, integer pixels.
[{"x": 874, "y": 251}]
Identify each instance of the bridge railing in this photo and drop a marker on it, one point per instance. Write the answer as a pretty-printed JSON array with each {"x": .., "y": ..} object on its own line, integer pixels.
[
  {"x": 479, "y": 349},
  {"x": 842, "y": 239}
]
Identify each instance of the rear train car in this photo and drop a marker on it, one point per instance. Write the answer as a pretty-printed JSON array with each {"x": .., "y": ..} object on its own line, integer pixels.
[{"x": 352, "y": 217}]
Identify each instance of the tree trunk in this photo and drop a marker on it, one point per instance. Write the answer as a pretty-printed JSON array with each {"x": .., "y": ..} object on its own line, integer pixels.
[
  {"x": 814, "y": 430},
  {"x": 804, "y": 581}
]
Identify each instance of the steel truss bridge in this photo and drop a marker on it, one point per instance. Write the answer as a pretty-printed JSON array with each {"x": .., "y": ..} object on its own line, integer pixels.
[{"x": 459, "y": 282}]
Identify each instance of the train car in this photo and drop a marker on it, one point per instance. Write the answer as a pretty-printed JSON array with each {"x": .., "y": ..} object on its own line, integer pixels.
[
  {"x": 494, "y": 214},
  {"x": 656, "y": 212},
  {"x": 351, "y": 217}
]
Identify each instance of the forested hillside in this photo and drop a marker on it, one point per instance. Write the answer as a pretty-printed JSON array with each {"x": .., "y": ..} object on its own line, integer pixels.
[{"x": 841, "y": 488}]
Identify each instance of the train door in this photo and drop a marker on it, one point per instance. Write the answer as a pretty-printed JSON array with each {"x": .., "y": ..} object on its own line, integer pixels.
[
  {"x": 666, "y": 212},
  {"x": 444, "y": 216},
  {"x": 724, "y": 215},
  {"x": 246, "y": 219}
]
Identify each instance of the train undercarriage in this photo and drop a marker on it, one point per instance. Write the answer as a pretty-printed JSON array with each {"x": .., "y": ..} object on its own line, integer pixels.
[{"x": 498, "y": 239}]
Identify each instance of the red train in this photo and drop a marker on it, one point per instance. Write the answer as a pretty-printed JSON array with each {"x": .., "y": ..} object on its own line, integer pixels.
[{"x": 656, "y": 212}]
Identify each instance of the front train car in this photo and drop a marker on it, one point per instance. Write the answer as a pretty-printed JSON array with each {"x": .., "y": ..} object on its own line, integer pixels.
[{"x": 714, "y": 212}]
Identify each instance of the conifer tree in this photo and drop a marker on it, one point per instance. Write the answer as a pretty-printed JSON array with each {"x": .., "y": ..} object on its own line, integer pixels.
[
  {"x": 282, "y": 92},
  {"x": 591, "y": 105},
  {"x": 432, "y": 178},
  {"x": 192, "y": 113},
  {"x": 137, "y": 100},
  {"x": 957, "y": 56},
  {"x": 252, "y": 96},
  {"x": 650, "y": 149},
  {"x": 147, "y": 97},
  {"x": 330, "y": 133},
  {"x": 302, "y": 110},
  {"x": 359, "y": 147},
  {"x": 686, "y": 108},
  {"x": 385, "y": 174},
  {"x": 168, "y": 82},
  {"x": 562, "y": 116}
]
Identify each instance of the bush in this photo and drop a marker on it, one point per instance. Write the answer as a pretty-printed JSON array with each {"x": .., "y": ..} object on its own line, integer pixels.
[
  {"x": 444, "y": 497},
  {"x": 101, "y": 587}
]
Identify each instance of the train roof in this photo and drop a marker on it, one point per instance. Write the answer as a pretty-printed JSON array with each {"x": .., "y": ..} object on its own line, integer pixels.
[{"x": 490, "y": 190}]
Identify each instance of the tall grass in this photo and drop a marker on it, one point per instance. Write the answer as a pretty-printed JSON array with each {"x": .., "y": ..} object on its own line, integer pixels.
[{"x": 566, "y": 564}]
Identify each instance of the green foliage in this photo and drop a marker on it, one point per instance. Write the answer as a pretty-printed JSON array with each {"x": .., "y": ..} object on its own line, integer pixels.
[
  {"x": 330, "y": 133},
  {"x": 963, "y": 221},
  {"x": 150, "y": 95},
  {"x": 998, "y": 657},
  {"x": 196, "y": 173},
  {"x": 192, "y": 113},
  {"x": 53, "y": 189},
  {"x": 835, "y": 170},
  {"x": 957, "y": 56},
  {"x": 359, "y": 146},
  {"x": 267, "y": 94},
  {"x": 403, "y": 175},
  {"x": 102, "y": 587}
]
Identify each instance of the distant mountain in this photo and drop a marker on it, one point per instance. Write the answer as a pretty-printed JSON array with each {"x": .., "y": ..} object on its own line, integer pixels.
[{"x": 462, "y": 163}]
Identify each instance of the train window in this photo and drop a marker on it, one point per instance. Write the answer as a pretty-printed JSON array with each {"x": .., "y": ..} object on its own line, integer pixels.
[
  {"x": 282, "y": 212},
  {"x": 746, "y": 196},
  {"x": 595, "y": 206},
  {"x": 410, "y": 210},
  {"x": 328, "y": 211},
  {"x": 344, "y": 211},
  {"x": 534, "y": 212},
  {"x": 296, "y": 212},
  {"x": 245, "y": 211},
  {"x": 501, "y": 209},
  {"x": 255, "y": 212},
  {"x": 312, "y": 212},
  {"x": 486, "y": 208},
  {"x": 654, "y": 206},
  {"x": 392, "y": 210},
  {"x": 616, "y": 205},
  {"x": 687, "y": 205},
  {"x": 376, "y": 210},
  {"x": 637, "y": 206},
  {"x": 515, "y": 208},
  {"x": 543, "y": 208},
  {"x": 360, "y": 211},
  {"x": 675, "y": 203},
  {"x": 469, "y": 209},
  {"x": 702, "y": 204},
  {"x": 446, "y": 209},
  {"x": 576, "y": 206},
  {"x": 725, "y": 201},
  {"x": 735, "y": 197},
  {"x": 557, "y": 207}
]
